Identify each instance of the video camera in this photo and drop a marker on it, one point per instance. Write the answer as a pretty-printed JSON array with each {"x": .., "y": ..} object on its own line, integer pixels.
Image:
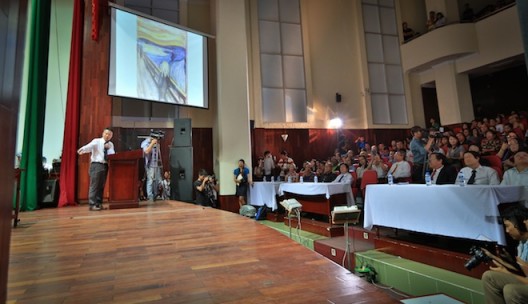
[
  {"x": 436, "y": 134},
  {"x": 157, "y": 134}
]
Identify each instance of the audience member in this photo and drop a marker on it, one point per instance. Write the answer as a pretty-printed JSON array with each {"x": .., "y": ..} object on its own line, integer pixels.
[
  {"x": 507, "y": 152},
  {"x": 344, "y": 176},
  {"x": 258, "y": 171},
  {"x": 419, "y": 150},
  {"x": 442, "y": 173},
  {"x": 377, "y": 165},
  {"x": 408, "y": 33},
  {"x": 269, "y": 165},
  {"x": 518, "y": 175},
  {"x": 440, "y": 20},
  {"x": 431, "y": 21},
  {"x": 291, "y": 174},
  {"x": 242, "y": 179},
  {"x": 363, "y": 165},
  {"x": 400, "y": 170},
  {"x": 455, "y": 153},
  {"x": 475, "y": 173},
  {"x": 328, "y": 175},
  {"x": 490, "y": 144},
  {"x": 284, "y": 163}
]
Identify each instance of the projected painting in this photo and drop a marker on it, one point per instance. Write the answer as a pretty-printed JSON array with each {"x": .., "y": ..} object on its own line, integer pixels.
[{"x": 161, "y": 62}]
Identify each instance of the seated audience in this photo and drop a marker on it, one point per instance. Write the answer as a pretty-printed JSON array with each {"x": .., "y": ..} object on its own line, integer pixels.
[
  {"x": 518, "y": 175},
  {"x": 490, "y": 144},
  {"x": 442, "y": 173},
  {"x": 507, "y": 151},
  {"x": 285, "y": 162},
  {"x": 344, "y": 176},
  {"x": 307, "y": 174},
  {"x": 291, "y": 174},
  {"x": 328, "y": 175},
  {"x": 258, "y": 171},
  {"x": 400, "y": 170},
  {"x": 475, "y": 173},
  {"x": 377, "y": 165},
  {"x": 455, "y": 153},
  {"x": 500, "y": 285},
  {"x": 363, "y": 164}
]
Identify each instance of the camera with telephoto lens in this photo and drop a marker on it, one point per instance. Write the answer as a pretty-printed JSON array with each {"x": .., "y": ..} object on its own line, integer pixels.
[
  {"x": 157, "y": 134},
  {"x": 477, "y": 256}
]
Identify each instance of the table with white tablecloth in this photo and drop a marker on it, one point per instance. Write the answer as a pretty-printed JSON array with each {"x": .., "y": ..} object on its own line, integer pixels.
[
  {"x": 264, "y": 194},
  {"x": 450, "y": 210}
]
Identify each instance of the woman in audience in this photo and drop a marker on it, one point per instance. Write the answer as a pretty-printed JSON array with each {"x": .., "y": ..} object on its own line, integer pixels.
[
  {"x": 490, "y": 145},
  {"x": 431, "y": 21},
  {"x": 506, "y": 153},
  {"x": 291, "y": 174},
  {"x": 475, "y": 137},
  {"x": 363, "y": 164},
  {"x": 444, "y": 144},
  {"x": 455, "y": 153},
  {"x": 258, "y": 172}
]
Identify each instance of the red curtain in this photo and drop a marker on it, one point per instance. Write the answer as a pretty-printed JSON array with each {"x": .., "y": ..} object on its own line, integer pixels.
[{"x": 68, "y": 173}]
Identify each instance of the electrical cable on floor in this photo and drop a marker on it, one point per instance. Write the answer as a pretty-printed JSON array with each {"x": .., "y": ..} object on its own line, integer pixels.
[{"x": 390, "y": 288}]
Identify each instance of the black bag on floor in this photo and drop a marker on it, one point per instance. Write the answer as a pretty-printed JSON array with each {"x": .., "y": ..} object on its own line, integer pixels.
[{"x": 261, "y": 213}]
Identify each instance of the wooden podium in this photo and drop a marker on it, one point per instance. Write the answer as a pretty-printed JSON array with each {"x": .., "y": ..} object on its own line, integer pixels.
[{"x": 124, "y": 179}]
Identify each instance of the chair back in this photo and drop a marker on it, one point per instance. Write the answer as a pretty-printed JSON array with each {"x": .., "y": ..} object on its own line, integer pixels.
[
  {"x": 369, "y": 177},
  {"x": 355, "y": 188}
]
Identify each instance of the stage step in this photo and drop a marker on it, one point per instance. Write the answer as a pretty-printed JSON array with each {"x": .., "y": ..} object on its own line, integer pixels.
[
  {"x": 419, "y": 279},
  {"x": 317, "y": 227},
  {"x": 302, "y": 237}
]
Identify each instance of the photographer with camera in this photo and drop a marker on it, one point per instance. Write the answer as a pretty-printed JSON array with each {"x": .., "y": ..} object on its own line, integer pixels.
[
  {"x": 500, "y": 284},
  {"x": 200, "y": 188},
  {"x": 153, "y": 164}
]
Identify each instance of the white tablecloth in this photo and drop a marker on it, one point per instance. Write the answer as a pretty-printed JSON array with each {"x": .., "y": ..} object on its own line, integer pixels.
[
  {"x": 263, "y": 194},
  {"x": 450, "y": 210},
  {"x": 327, "y": 189}
]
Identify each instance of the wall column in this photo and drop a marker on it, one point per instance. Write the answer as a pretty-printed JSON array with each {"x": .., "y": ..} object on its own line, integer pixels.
[
  {"x": 454, "y": 94},
  {"x": 232, "y": 129}
]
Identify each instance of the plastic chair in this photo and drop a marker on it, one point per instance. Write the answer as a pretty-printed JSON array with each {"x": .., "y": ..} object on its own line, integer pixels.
[{"x": 369, "y": 177}]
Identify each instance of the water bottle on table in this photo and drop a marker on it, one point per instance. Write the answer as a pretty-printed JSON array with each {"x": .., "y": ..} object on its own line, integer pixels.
[
  {"x": 460, "y": 179},
  {"x": 428, "y": 181},
  {"x": 390, "y": 179}
]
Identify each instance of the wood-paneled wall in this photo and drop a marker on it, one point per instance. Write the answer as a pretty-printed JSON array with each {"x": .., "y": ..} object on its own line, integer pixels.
[{"x": 13, "y": 14}]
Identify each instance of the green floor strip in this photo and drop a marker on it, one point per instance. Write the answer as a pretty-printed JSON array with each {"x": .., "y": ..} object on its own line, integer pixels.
[
  {"x": 304, "y": 238},
  {"x": 418, "y": 279}
]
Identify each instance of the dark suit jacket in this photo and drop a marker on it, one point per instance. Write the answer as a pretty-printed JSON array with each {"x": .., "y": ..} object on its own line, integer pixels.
[{"x": 446, "y": 176}]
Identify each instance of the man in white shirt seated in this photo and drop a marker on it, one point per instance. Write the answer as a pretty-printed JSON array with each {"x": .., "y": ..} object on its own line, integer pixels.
[
  {"x": 401, "y": 169},
  {"x": 476, "y": 174},
  {"x": 518, "y": 175},
  {"x": 344, "y": 176}
]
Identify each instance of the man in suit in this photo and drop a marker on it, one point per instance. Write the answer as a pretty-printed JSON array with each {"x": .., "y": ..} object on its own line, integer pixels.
[{"x": 442, "y": 173}]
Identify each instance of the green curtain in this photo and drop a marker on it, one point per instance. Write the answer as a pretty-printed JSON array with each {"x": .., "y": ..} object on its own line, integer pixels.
[{"x": 31, "y": 162}]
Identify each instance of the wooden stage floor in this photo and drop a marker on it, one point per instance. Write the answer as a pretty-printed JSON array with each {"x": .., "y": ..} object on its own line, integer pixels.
[{"x": 169, "y": 252}]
